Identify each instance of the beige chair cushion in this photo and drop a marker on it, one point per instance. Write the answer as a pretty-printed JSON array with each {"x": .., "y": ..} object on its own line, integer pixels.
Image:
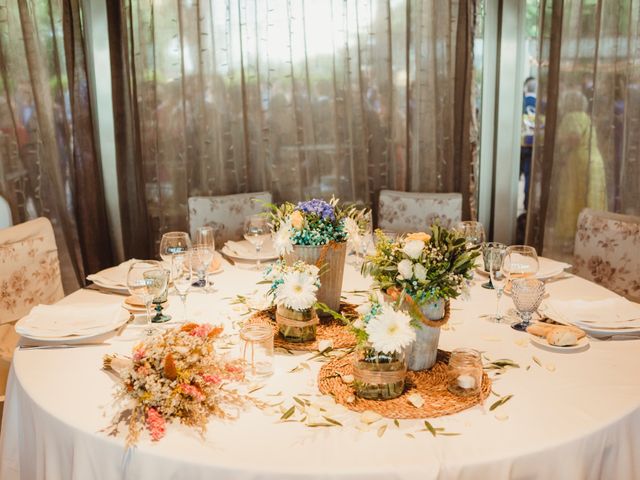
[
  {"x": 607, "y": 251},
  {"x": 225, "y": 213},
  {"x": 411, "y": 212},
  {"x": 29, "y": 275}
]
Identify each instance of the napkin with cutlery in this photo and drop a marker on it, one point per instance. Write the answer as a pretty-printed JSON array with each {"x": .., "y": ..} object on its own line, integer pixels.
[
  {"x": 610, "y": 313},
  {"x": 57, "y": 321},
  {"x": 113, "y": 277}
]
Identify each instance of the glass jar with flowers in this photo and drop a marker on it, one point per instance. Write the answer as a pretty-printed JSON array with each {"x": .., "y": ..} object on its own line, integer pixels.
[
  {"x": 294, "y": 288},
  {"x": 316, "y": 232},
  {"x": 383, "y": 333},
  {"x": 421, "y": 273}
]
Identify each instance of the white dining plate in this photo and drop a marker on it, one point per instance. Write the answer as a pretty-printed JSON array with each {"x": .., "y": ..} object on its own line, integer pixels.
[
  {"x": 86, "y": 336},
  {"x": 267, "y": 253},
  {"x": 110, "y": 287},
  {"x": 607, "y": 332},
  {"x": 583, "y": 344}
]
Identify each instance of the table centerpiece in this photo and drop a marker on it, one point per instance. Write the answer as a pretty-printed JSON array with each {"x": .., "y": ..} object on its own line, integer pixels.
[
  {"x": 383, "y": 333},
  {"x": 421, "y": 273},
  {"x": 176, "y": 374},
  {"x": 293, "y": 289},
  {"x": 316, "y": 232}
]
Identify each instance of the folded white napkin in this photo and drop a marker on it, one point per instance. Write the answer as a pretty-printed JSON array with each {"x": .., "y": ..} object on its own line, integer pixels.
[
  {"x": 115, "y": 277},
  {"x": 247, "y": 250},
  {"x": 617, "y": 312},
  {"x": 55, "y": 321},
  {"x": 548, "y": 268}
]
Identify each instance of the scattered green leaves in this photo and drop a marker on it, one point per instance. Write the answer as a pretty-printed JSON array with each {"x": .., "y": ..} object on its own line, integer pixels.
[{"x": 499, "y": 402}]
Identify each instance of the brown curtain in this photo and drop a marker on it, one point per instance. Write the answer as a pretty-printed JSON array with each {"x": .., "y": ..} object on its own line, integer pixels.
[
  {"x": 48, "y": 159},
  {"x": 587, "y": 152},
  {"x": 302, "y": 98}
]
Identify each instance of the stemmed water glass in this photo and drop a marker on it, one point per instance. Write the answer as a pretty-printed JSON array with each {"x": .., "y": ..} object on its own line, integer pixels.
[
  {"x": 471, "y": 230},
  {"x": 256, "y": 232},
  {"x": 520, "y": 261},
  {"x": 498, "y": 278},
  {"x": 183, "y": 279},
  {"x": 146, "y": 280},
  {"x": 488, "y": 249},
  {"x": 527, "y": 294},
  {"x": 204, "y": 246},
  {"x": 172, "y": 244}
]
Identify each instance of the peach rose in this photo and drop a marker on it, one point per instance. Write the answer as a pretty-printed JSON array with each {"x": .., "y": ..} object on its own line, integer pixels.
[
  {"x": 425, "y": 237},
  {"x": 297, "y": 220}
]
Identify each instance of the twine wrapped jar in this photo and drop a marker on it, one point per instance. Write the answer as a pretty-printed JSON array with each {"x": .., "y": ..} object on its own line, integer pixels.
[
  {"x": 296, "y": 326},
  {"x": 377, "y": 375}
]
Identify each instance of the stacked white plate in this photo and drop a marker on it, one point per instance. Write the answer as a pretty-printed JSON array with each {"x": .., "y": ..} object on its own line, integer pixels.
[
  {"x": 77, "y": 323},
  {"x": 611, "y": 316}
]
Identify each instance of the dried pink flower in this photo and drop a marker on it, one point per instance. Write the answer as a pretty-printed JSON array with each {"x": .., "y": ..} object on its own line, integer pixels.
[{"x": 156, "y": 424}]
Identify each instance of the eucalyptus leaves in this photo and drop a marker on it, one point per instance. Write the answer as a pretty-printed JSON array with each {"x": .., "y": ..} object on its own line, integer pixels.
[{"x": 425, "y": 267}]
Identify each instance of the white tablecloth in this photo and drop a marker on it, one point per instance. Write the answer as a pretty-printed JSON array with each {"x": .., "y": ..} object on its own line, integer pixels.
[{"x": 579, "y": 421}]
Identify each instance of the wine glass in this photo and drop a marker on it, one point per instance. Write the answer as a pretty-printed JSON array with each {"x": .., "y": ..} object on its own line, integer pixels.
[
  {"x": 527, "y": 294},
  {"x": 138, "y": 285},
  {"x": 201, "y": 258},
  {"x": 520, "y": 261},
  {"x": 497, "y": 276},
  {"x": 471, "y": 230},
  {"x": 488, "y": 249},
  {"x": 157, "y": 280},
  {"x": 256, "y": 231},
  {"x": 171, "y": 244},
  {"x": 205, "y": 240},
  {"x": 183, "y": 279}
]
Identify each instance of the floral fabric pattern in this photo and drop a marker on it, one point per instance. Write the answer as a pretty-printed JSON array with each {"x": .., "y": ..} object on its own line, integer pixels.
[
  {"x": 607, "y": 251},
  {"x": 225, "y": 213},
  {"x": 29, "y": 275},
  {"x": 416, "y": 212}
]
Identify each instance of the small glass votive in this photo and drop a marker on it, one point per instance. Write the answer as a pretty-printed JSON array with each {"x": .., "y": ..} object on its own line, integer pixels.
[
  {"x": 465, "y": 372},
  {"x": 257, "y": 349}
]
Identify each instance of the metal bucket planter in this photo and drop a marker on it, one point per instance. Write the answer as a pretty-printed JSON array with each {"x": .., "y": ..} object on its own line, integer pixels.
[
  {"x": 295, "y": 326},
  {"x": 330, "y": 260},
  {"x": 421, "y": 354}
]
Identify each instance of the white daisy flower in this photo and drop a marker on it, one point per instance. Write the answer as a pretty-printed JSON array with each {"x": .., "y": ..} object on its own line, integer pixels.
[
  {"x": 298, "y": 291},
  {"x": 390, "y": 331},
  {"x": 282, "y": 238},
  {"x": 405, "y": 268},
  {"x": 413, "y": 248}
]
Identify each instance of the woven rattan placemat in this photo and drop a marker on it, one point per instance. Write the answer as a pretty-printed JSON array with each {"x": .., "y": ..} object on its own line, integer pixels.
[
  {"x": 328, "y": 329},
  {"x": 430, "y": 384}
]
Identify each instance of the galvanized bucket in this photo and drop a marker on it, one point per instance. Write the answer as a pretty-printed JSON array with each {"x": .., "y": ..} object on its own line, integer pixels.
[
  {"x": 421, "y": 354},
  {"x": 330, "y": 260}
]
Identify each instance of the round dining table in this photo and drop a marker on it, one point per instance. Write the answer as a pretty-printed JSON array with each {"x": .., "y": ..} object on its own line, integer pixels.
[{"x": 572, "y": 415}]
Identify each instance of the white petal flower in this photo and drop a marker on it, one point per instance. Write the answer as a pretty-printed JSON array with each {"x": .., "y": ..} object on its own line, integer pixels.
[
  {"x": 358, "y": 324},
  {"x": 282, "y": 238},
  {"x": 298, "y": 291},
  {"x": 405, "y": 268},
  {"x": 363, "y": 309},
  {"x": 420, "y": 272},
  {"x": 390, "y": 331},
  {"x": 352, "y": 229},
  {"x": 413, "y": 248}
]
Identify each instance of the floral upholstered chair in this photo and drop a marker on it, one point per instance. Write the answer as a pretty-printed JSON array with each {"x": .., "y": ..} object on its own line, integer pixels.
[
  {"x": 29, "y": 275},
  {"x": 607, "y": 251},
  {"x": 413, "y": 212},
  {"x": 225, "y": 213}
]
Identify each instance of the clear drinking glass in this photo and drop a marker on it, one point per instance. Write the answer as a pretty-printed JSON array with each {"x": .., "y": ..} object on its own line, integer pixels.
[
  {"x": 200, "y": 261},
  {"x": 171, "y": 244},
  {"x": 527, "y": 294},
  {"x": 472, "y": 231},
  {"x": 520, "y": 261},
  {"x": 257, "y": 349},
  {"x": 256, "y": 232},
  {"x": 138, "y": 285},
  {"x": 183, "y": 280},
  {"x": 205, "y": 238},
  {"x": 497, "y": 275},
  {"x": 488, "y": 248}
]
